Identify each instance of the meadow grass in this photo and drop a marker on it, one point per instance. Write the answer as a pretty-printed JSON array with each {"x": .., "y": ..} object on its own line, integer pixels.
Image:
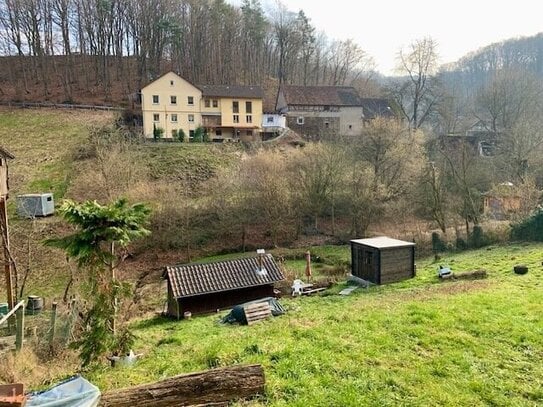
[{"x": 418, "y": 342}]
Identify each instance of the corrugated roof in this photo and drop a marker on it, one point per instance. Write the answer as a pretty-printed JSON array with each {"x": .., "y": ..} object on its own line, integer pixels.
[
  {"x": 383, "y": 242},
  {"x": 195, "y": 279},
  {"x": 6, "y": 153},
  {"x": 233, "y": 91},
  {"x": 321, "y": 95}
]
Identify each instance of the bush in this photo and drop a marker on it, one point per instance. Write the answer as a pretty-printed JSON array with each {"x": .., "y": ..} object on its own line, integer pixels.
[
  {"x": 438, "y": 245},
  {"x": 181, "y": 135},
  {"x": 198, "y": 135},
  {"x": 477, "y": 238},
  {"x": 206, "y": 137},
  {"x": 530, "y": 228},
  {"x": 461, "y": 244},
  {"x": 158, "y": 132}
]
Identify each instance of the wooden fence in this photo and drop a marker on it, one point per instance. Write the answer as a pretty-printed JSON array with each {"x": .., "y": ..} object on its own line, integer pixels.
[{"x": 19, "y": 311}]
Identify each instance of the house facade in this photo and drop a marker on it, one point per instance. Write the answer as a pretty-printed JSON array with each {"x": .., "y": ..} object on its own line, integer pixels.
[
  {"x": 226, "y": 112},
  {"x": 324, "y": 112}
]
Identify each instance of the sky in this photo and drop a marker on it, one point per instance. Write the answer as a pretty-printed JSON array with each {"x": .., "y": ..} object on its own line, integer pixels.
[{"x": 382, "y": 27}]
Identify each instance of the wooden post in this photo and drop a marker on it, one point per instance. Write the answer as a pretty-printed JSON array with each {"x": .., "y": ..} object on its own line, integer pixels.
[
  {"x": 7, "y": 255},
  {"x": 20, "y": 328},
  {"x": 53, "y": 323}
]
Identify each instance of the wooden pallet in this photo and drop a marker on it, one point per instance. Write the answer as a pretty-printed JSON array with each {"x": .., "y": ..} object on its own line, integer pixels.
[{"x": 257, "y": 312}]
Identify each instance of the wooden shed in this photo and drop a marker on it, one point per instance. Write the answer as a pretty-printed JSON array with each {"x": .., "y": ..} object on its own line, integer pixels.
[
  {"x": 382, "y": 260},
  {"x": 208, "y": 287},
  {"x": 5, "y": 155}
]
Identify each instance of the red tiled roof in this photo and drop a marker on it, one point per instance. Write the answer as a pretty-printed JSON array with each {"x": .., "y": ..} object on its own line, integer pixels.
[{"x": 195, "y": 279}]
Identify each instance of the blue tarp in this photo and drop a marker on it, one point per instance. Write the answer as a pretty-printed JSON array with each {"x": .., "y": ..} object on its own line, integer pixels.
[{"x": 75, "y": 392}]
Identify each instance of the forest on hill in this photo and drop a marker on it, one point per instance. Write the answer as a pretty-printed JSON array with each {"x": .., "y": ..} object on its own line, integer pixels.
[{"x": 69, "y": 49}]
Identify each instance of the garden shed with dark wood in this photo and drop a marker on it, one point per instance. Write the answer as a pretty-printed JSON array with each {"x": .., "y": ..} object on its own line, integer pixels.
[
  {"x": 382, "y": 260},
  {"x": 208, "y": 287}
]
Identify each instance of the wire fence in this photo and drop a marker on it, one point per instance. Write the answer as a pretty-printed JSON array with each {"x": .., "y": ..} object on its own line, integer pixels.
[{"x": 51, "y": 327}]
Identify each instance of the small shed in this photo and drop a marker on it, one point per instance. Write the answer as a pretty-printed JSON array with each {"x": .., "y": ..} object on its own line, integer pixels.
[
  {"x": 208, "y": 287},
  {"x": 382, "y": 260},
  {"x": 5, "y": 155}
]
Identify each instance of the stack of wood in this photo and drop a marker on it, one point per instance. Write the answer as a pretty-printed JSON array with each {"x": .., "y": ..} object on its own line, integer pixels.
[{"x": 12, "y": 395}]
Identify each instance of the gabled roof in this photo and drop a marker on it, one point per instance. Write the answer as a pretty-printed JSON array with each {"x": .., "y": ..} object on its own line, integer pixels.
[
  {"x": 168, "y": 73},
  {"x": 321, "y": 95},
  {"x": 195, "y": 279},
  {"x": 5, "y": 153},
  {"x": 232, "y": 91},
  {"x": 383, "y": 242},
  {"x": 376, "y": 107}
]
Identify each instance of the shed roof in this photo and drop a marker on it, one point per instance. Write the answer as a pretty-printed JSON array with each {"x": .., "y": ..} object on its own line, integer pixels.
[
  {"x": 383, "y": 242},
  {"x": 5, "y": 153},
  {"x": 232, "y": 91},
  {"x": 321, "y": 95},
  {"x": 196, "y": 279}
]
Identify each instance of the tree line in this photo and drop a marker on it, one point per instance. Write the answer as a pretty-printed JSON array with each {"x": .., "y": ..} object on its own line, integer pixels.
[{"x": 206, "y": 41}]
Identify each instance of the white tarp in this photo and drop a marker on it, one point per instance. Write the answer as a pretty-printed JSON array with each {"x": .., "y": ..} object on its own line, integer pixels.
[{"x": 76, "y": 392}]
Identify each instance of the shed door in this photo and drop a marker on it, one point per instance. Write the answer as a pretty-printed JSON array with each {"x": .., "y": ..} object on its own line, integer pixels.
[{"x": 366, "y": 263}]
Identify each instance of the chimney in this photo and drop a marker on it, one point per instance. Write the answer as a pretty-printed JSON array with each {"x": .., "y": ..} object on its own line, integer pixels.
[{"x": 261, "y": 271}]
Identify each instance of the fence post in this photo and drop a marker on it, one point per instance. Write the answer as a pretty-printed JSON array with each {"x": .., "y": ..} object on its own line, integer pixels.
[
  {"x": 53, "y": 323},
  {"x": 20, "y": 328}
]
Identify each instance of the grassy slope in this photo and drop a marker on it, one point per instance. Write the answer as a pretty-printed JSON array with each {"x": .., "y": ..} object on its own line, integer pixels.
[
  {"x": 44, "y": 142},
  {"x": 419, "y": 342}
]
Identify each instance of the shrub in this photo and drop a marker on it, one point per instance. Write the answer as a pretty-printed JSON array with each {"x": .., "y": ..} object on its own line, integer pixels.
[
  {"x": 158, "y": 132},
  {"x": 438, "y": 245},
  {"x": 198, "y": 135},
  {"x": 181, "y": 135},
  {"x": 477, "y": 238},
  {"x": 461, "y": 244},
  {"x": 530, "y": 228}
]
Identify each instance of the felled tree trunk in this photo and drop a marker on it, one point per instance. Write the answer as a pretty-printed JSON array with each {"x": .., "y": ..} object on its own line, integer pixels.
[{"x": 212, "y": 387}]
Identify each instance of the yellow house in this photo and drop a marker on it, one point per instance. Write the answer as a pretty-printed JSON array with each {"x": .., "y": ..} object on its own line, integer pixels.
[{"x": 227, "y": 112}]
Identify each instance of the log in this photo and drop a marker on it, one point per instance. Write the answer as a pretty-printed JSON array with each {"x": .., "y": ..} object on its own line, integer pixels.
[{"x": 212, "y": 387}]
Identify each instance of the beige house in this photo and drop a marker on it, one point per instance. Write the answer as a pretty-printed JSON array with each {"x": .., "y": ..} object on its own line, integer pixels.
[
  {"x": 226, "y": 112},
  {"x": 325, "y": 112}
]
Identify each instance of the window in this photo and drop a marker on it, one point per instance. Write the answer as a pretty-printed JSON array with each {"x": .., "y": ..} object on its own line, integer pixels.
[
  {"x": 269, "y": 119},
  {"x": 155, "y": 100},
  {"x": 350, "y": 126},
  {"x": 191, "y": 118},
  {"x": 249, "y": 133},
  {"x": 300, "y": 120},
  {"x": 191, "y": 134},
  {"x": 326, "y": 124},
  {"x": 248, "y": 107},
  {"x": 207, "y": 102},
  {"x": 156, "y": 117},
  {"x": 218, "y": 132},
  {"x": 236, "y": 118},
  {"x": 215, "y": 103},
  {"x": 173, "y": 100},
  {"x": 174, "y": 133},
  {"x": 171, "y": 83},
  {"x": 190, "y": 100},
  {"x": 235, "y": 106},
  {"x": 249, "y": 118},
  {"x": 174, "y": 118}
]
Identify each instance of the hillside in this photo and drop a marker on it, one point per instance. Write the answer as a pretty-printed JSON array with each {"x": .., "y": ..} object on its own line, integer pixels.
[{"x": 52, "y": 150}]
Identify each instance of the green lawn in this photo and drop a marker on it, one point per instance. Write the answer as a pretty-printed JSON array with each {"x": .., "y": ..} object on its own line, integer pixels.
[{"x": 419, "y": 342}]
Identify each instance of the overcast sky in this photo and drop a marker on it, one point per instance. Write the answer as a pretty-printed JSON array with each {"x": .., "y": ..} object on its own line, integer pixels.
[{"x": 382, "y": 27}]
